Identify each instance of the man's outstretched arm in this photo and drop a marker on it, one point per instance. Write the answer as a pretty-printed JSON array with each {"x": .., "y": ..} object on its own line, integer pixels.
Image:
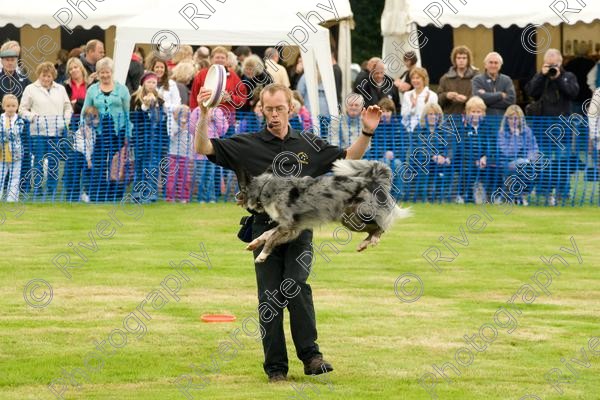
[{"x": 202, "y": 143}]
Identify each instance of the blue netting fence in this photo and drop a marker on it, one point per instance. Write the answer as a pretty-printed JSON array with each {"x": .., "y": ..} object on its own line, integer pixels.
[{"x": 537, "y": 160}]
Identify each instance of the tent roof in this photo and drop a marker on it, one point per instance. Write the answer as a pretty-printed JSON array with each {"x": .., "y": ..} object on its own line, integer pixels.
[
  {"x": 504, "y": 13},
  {"x": 50, "y": 13},
  {"x": 157, "y": 14},
  {"x": 230, "y": 23},
  {"x": 226, "y": 22}
]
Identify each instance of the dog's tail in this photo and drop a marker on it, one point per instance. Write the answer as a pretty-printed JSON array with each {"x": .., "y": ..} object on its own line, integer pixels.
[
  {"x": 375, "y": 171},
  {"x": 397, "y": 213}
]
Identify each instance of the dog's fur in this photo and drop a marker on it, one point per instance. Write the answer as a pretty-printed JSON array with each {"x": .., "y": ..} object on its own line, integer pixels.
[{"x": 357, "y": 194}]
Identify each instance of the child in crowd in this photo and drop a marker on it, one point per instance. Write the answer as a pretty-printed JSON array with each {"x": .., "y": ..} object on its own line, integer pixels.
[
  {"x": 181, "y": 155},
  {"x": 435, "y": 133},
  {"x": 251, "y": 121},
  {"x": 206, "y": 173},
  {"x": 388, "y": 109},
  {"x": 294, "y": 117},
  {"x": 11, "y": 150},
  {"x": 395, "y": 165},
  {"x": 149, "y": 136},
  {"x": 302, "y": 112},
  {"x": 475, "y": 176},
  {"x": 387, "y": 135},
  {"x": 79, "y": 164}
]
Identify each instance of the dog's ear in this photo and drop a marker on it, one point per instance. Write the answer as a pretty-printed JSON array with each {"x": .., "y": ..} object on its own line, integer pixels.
[{"x": 244, "y": 179}]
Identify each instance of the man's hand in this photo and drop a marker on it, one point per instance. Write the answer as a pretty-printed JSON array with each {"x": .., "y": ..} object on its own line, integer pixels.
[
  {"x": 461, "y": 98},
  {"x": 202, "y": 143},
  {"x": 546, "y": 68},
  {"x": 440, "y": 159},
  {"x": 148, "y": 99},
  {"x": 370, "y": 118},
  {"x": 483, "y": 162},
  {"x": 481, "y": 91},
  {"x": 451, "y": 95},
  {"x": 401, "y": 85},
  {"x": 203, "y": 95}
]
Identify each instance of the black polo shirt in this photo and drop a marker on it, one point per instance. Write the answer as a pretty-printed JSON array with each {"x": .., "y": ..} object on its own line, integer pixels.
[{"x": 299, "y": 153}]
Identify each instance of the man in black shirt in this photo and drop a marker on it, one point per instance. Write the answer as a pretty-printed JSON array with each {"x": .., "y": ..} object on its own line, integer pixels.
[
  {"x": 379, "y": 86},
  {"x": 94, "y": 51},
  {"x": 288, "y": 153}
]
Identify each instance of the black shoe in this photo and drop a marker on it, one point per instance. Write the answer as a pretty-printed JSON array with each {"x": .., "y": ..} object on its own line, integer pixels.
[
  {"x": 317, "y": 366},
  {"x": 277, "y": 377}
]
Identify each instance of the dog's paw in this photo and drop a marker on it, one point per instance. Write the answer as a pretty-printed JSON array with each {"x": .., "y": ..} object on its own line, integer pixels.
[
  {"x": 374, "y": 241},
  {"x": 261, "y": 258},
  {"x": 255, "y": 244},
  {"x": 363, "y": 245}
]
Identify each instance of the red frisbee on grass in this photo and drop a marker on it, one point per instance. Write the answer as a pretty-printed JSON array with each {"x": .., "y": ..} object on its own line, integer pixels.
[{"x": 217, "y": 318}]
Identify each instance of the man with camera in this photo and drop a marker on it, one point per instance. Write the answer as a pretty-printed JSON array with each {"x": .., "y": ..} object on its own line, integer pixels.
[
  {"x": 553, "y": 86},
  {"x": 554, "y": 89}
]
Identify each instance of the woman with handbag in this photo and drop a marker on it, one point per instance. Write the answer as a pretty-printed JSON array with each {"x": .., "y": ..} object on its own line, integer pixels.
[{"x": 112, "y": 101}]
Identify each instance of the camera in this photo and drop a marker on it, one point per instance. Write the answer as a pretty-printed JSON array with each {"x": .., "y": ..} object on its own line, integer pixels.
[{"x": 552, "y": 70}]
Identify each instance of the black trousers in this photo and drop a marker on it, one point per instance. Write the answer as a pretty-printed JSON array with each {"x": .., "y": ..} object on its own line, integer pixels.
[{"x": 280, "y": 265}]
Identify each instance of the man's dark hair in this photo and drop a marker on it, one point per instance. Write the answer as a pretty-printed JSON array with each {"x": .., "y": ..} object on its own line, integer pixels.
[
  {"x": 242, "y": 51},
  {"x": 411, "y": 56}
]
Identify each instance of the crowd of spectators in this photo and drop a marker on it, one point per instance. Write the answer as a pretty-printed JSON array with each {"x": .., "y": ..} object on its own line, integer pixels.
[
  {"x": 108, "y": 135},
  {"x": 477, "y": 137}
]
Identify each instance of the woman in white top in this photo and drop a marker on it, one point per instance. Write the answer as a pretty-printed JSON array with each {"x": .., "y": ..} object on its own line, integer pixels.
[
  {"x": 167, "y": 88},
  {"x": 414, "y": 101},
  {"x": 47, "y": 106}
]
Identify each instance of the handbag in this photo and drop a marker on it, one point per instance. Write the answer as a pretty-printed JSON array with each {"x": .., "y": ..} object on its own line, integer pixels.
[
  {"x": 5, "y": 153},
  {"x": 245, "y": 232},
  {"x": 121, "y": 166}
]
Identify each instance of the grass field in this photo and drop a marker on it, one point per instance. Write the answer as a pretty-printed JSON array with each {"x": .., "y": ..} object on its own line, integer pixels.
[{"x": 380, "y": 346}]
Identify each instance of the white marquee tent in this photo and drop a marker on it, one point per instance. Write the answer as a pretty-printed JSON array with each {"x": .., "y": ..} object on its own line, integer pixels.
[
  {"x": 401, "y": 17},
  {"x": 223, "y": 22}
]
